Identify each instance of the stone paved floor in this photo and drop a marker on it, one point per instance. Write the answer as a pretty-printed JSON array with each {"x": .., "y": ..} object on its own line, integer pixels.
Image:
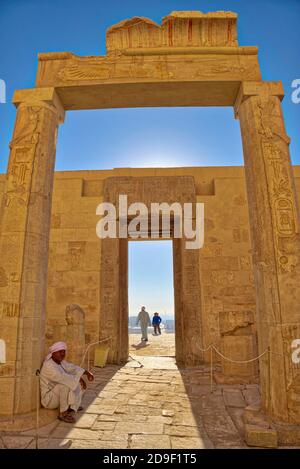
[
  {"x": 150, "y": 404},
  {"x": 158, "y": 345}
]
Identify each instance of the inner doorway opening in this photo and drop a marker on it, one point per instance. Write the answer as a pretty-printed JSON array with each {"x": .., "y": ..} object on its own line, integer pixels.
[{"x": 151, "y": 284}]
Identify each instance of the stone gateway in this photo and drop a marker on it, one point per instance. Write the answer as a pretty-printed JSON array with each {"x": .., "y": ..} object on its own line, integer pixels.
[{"x": 240, "y": 291}]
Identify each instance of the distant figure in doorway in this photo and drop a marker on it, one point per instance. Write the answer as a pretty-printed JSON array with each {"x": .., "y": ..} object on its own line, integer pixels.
[
  {"x": 156, "y": 323},
  {"x": 144, "y": 320}
]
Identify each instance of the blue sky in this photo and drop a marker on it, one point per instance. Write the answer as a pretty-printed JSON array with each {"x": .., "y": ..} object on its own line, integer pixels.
[
  {"x": 150, "y": 275},
  {"x": 143, "y": 137}
]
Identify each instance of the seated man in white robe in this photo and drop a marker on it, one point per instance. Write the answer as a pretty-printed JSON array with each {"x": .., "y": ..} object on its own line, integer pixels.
[{"x": 62, "y": 383}]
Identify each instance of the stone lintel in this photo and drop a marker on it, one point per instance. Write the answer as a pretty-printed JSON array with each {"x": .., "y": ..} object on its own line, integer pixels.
[
  {"x": 55, "y": 56},
  {"x": 248, "y": 89},
  {"x": 32, "y": 96}
]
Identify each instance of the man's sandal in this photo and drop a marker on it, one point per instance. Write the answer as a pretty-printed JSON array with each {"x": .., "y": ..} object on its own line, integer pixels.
[{"x": 68, "y": 418}]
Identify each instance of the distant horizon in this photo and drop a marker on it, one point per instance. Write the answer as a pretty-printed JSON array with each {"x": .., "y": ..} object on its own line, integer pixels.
[{"x": 166, "y": 318}]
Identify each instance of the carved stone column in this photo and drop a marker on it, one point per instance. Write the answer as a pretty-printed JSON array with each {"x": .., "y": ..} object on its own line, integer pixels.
[
  {"x": 24, "y": 239},
  {"x": 111, "y": 322},
  {"x": 274, "y": 221},
  {"x": 188, "y": 305}
]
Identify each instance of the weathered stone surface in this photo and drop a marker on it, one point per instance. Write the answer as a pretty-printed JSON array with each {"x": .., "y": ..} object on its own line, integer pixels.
[
  {"x": 53, "y": 443},
  {"x": 261, "y": 437},
  {"x": 104, "y": 408},
  {"x": 235, "y": 322},
  {"x": 82, "y": 421},
  {"x": 76, "y": 433},
  {"x": 214, "y": 425},
  {"x": 275, "y": 241},
  {"x": 184, "y": 418},
  {"x": 103, "y": 425},
  {"x": 177, "y": 430},
  {"x": 19, "y": 442},
  {"x": 221, "y": 430},
  {"x": 43, "y": 430},
  {"x": 233, "y": 398},
  {"x": 167, "y": 413},
  {"x": 154, "y": 441},
  {"x": 215, "y": 298},
  {"x": 98, "y": 444},
  {"x": 135, "y": 428},
  {"x": 239, "y": 348},
  {"x": 186, "y": 443},
  {"x": 25, "y": 227},
  {"x": 251, "y": 395},
  {"x": 288, "y": 435}
]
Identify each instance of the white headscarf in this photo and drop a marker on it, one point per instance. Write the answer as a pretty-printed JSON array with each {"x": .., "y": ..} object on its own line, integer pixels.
[{"x": 55, "y": 348}]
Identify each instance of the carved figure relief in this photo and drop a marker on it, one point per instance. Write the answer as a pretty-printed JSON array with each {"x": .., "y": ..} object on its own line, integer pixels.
[{"x": 76, "y": 249}]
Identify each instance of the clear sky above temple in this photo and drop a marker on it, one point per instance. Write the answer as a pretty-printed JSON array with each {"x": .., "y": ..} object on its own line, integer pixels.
[{"x": 143, "y": 137}]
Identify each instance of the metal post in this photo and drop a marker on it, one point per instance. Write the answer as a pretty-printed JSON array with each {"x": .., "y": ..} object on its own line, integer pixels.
[
  {"x": 211, "y": 369},
  {"x": 37, "y": 408}
]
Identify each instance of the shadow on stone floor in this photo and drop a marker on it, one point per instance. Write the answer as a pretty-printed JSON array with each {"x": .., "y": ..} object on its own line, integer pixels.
[
  {"x": 217, "y": 412},
  {"x": 27, "y": 439},
  {"x": 149, "y": 403},
  {"x": 140, "y": 345}
]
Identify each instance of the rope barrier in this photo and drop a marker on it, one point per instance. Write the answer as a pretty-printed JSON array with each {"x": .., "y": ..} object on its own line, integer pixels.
[
  {"x": 210, "y": 348},
  {"x": 88, "y": 350},
  {"x": 240, "y": 361}
]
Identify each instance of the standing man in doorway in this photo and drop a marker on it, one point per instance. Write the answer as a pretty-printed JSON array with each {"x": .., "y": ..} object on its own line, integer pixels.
[{"x": 144, "y": 320}]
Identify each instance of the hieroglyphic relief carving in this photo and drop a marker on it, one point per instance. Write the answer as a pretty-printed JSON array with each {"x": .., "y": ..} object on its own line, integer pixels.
[
  {"x": 55, "y": 220},
  {"x": 3, "y": 278},
  {"x": 75, "y": 250},
  {"x": 289, "y": 333},
  {"x": 75, "y": 332},
  {"x": 102, "y": 68},
  {"x": 276, "y": 160},
  {"x": 7, "y": 370},
  {"x": 240, "y": 235},
  {"x": 223, "y": 277},
  {"x": 83, "y": 70},
  {"x": 97, "y": 69},
  {"x": 209, "y": 68},
  {"x": 14, "y": 277},
  {"x": 19, "y": 175},
  {"x": 28, "y": 125},
  {"x": 10, "y": 310},
  {"x": 211, "y": 250},
  {"x": 269, "y": 119},
  {"x": 245, "y": 262},
  {"x": 23, "y": 148}
]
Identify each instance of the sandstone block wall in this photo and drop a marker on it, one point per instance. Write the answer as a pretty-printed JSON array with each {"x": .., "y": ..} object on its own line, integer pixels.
[{"x": 75, "y": 250}]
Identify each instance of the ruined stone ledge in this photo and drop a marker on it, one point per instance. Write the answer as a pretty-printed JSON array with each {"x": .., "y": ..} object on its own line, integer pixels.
[
  {"x": 244, "y": 50},
  {"x": 260, "y": 437}
]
